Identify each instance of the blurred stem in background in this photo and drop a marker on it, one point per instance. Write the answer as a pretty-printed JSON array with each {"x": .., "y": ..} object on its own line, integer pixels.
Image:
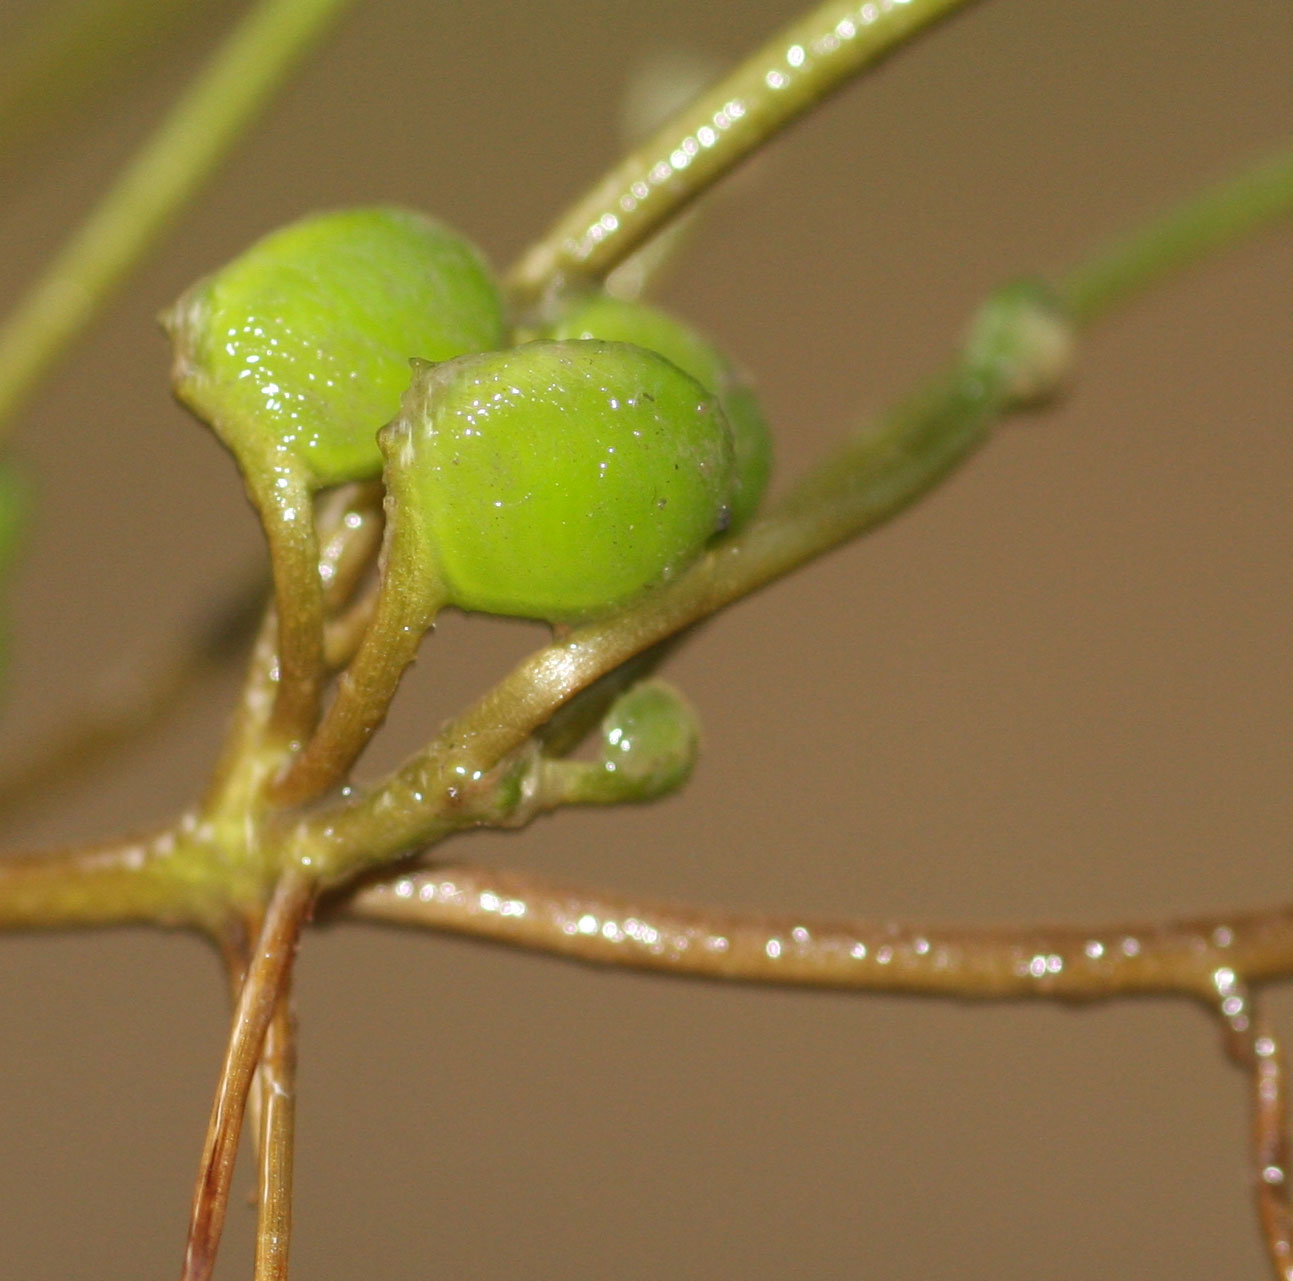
[{"x": 162, "y": 178}]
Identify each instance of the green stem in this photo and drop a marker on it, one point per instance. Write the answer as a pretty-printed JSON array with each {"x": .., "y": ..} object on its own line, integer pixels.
[
  {"x": 286, "y": 507},
  {"x": 162, "y": 177},
  {"x": 1202, "y": 226},
  {"x": 108, "y": 883},
  {"x": 783, "y": 80},
  {"x": 71, "y": 50}
]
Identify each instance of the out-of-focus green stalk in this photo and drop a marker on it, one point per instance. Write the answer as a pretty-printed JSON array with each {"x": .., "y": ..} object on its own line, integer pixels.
[
  {"x": 70, "y": 51},
  {"x": 162, "y": 177},
  {"x": 1196, "y": 229}
]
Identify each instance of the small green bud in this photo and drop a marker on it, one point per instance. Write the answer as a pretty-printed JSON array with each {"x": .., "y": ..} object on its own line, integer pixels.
[
  {"x": 650, "y": 739},
  {"x": 301, "y": 345},
  {"x": 618, "y": 320},
  {"x": 1021, "y": 343},
  {"x": 556, "y": 480}
]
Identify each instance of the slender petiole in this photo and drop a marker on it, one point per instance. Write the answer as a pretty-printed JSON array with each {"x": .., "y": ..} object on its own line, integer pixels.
[
  {"x": 286, "y": 506},
  {"x": 1203, "y": 225}
]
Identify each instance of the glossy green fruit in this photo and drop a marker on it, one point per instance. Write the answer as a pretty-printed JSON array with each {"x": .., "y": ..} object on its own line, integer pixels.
[
  {"x": 617, "y": 320},
  {"x": 300, "y": 347},
  {"x": 556, "y": 480}
]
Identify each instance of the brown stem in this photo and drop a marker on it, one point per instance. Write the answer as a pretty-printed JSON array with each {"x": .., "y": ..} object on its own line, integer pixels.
[
  {"x": 1192, "y": 957},
  {"x": 266, "y": 981},
  {"x": 276, "y": 1080},
  {"x": 401, "y": 615},
  {"x": 1271, "y": 1168}
]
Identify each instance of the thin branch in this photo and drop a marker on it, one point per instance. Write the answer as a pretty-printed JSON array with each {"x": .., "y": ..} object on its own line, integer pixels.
[
  {"x": 780, "y": 82},
  {"x": 286, "y": 508},
  {"x": 266, "y": 982},
  {"x": 108, "y": 883},
  {"x": 1064, "y": 962},
  {"x": 276, "y": 1081},
  {"x": 164, "y": 175}
]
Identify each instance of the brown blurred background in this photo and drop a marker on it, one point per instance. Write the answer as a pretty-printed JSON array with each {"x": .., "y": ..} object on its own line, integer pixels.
[{"x": 1056, "y": 691}]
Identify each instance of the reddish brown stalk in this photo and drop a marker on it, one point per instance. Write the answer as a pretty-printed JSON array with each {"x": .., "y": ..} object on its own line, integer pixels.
[
  {"x": 264, "y": 988},
  {"x": 276, "y": 1123},
  {"x": 1271, "y": 1150},
  {"x": 1199, "y": 957}
]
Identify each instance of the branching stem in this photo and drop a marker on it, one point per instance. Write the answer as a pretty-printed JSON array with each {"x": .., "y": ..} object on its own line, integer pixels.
[
  {"x": 276, "y": 1080},
  {"x": 1068, "y": 962}
]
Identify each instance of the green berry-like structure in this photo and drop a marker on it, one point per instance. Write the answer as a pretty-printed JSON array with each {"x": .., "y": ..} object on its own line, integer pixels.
[
  {"x": 295, "y": 354},
  {"x": 619, "y": 320},
  {"x": 649, "y": 740},
  {"x": 555, "y": 480},
  {"x": 300, "y": 347}
]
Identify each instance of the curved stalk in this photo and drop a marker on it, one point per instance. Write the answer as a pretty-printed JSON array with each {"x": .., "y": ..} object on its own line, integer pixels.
[
  {"x": 286, "y": 506},
  {"x": 778, "y": 83}
]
